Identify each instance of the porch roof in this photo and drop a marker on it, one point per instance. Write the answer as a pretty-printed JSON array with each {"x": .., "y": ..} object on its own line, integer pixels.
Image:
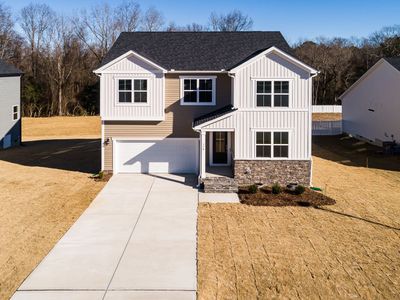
[{"x": 213, "y": 115}]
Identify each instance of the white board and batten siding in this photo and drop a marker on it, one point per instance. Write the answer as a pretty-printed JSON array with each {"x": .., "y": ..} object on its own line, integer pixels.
[
  {"x": 295, "y": 119},
  {"x": 132, "y": 68},
  {"x": 371, "y": 107}
]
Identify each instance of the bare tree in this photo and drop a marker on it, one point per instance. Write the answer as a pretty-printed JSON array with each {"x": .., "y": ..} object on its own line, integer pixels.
[
  {"x": 196, "y": 27},
  {"x": 7, "y": 33},
  {"x": 153, "y": 20},
  {"x": 60, "y": 61},
  {"x": 35, "y": 21},
  {"x": 233, "y": 21},
  {"x": 128, "y": 16},
  {"x": 97, "y": 29}
]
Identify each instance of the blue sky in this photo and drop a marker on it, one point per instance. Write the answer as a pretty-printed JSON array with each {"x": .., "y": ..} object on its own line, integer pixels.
[{"x": 295, "y": 19}]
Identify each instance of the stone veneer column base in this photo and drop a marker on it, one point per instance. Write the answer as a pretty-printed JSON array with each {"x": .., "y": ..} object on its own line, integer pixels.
[{"x": 272, "y": 171}]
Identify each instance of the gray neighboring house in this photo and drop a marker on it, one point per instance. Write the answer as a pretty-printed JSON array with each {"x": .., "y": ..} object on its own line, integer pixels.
[{"x": 10, "y": 105}]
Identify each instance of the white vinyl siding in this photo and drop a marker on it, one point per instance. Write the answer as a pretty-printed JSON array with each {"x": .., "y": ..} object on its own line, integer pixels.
[
  {"x": 132, "y": 68},
  {"x": 246, "y": 123},
  {"x": 294, "y": 119},
  {"x": 272, "y": 68}
]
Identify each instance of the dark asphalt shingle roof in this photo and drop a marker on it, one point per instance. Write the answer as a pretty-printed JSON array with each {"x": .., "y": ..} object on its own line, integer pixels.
[
  {"x": 8, "y": 70},
  {"x": 213, "y": 115},
  {"x": 197, "y": 51},
  {"x": 394, "y": 61}
]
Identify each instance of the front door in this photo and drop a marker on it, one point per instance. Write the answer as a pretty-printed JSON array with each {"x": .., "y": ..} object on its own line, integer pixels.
[{"x": 220, "y": 148}]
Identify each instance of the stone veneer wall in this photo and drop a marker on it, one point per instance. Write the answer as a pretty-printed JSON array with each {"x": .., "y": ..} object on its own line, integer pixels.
[{"x": 272, "y": 171}]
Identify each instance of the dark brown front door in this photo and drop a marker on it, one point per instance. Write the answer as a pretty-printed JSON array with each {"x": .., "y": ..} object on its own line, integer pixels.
[{"x": 220, "y": 148}]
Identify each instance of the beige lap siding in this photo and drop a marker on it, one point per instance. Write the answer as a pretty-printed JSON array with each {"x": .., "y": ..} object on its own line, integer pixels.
[{"x": 178, "y": 119}]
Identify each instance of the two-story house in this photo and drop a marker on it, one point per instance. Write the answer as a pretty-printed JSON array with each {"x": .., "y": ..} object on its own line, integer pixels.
[{"x": 233, "y": 106}]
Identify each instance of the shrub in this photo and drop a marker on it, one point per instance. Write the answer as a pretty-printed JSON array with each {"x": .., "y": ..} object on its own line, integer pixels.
[
  {"x": 100, "y": 175},
  {"x": 300, "y": 189},
  {"x": 253, "y": 189},
  {"x": 276, "y": 188}
]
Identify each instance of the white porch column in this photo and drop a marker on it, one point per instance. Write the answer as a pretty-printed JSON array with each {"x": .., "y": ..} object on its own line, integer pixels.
[{"x": 202, "y": 154}]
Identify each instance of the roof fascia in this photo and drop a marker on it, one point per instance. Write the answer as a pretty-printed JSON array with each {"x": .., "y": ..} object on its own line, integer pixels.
[
  {"x": 125, "y": 55},
  {"x": 280, "y": 53},
  {"x": 365, "y": 75}
]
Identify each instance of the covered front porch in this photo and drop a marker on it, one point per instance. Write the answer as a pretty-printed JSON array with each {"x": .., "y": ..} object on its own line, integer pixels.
[
  {"x": 216, "y": 153},
  {"x": 216, "y": 161},
  {"x": 217, "y": 150}
]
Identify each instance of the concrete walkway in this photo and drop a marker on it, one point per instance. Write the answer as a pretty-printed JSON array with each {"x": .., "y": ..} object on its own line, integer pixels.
[{"x": 137, "y": 240}]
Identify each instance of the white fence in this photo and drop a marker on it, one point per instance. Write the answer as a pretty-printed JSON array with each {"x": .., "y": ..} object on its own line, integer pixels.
[
  {"x": 327, "y": 109},
  {"x": 326, "y": 127}
]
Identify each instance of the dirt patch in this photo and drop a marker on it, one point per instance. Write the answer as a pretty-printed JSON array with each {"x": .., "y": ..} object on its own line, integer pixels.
[
  {"x": 45, "y": 186},
  {"x": 326, "y": 117},
  {"x": 265, "y": 197}
]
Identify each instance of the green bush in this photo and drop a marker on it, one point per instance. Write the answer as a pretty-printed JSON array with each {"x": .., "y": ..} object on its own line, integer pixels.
[
  {"x": 101, "y": 175},
  {"x": 253, "y": 189},
  {"x": 300, "y": 189},
  {"x": 276, "y": 188}
]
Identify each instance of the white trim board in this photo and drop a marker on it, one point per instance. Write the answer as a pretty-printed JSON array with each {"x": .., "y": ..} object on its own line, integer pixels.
[
  {"x": 126, "y": 55},
  {"x": 279, "y": 52}
]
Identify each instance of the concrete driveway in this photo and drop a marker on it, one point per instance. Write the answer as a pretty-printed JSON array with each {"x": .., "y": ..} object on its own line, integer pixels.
[{"x": 137, "y": 240}]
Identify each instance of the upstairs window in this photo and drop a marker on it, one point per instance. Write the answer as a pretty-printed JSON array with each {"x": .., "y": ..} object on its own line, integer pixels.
[
  {"x": 132, "y": 90},
  {"x": 15, "y": 112},
  {"x": 271, "y": 93},
  {"x": 272, "y": 144},
  {"x": 198, "y": 91}
]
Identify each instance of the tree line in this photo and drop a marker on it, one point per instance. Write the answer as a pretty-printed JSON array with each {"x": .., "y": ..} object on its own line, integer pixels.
[{"x": 58, "y": 53}]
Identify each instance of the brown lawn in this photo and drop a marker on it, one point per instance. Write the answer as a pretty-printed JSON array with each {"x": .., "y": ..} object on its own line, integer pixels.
[
  {"x": 61, "y": 128},
  {"x": 348, "y": 250},
  {"x": 326, "y": 116},
  {"x": 45, "y": 186}
]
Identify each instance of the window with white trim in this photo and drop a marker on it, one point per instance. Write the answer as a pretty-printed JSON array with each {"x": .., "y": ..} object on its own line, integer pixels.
[
  {"x": 136, "y": 93},
  {"x": 198, "y": 91},
  {"x": 15, "y": 112},
  {"x": 272, "y": 144},
  {"x": 272, "y": 93}
]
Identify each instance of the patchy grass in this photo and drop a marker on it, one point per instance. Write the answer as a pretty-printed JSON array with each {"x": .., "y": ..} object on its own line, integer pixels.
[{"x": 45, "y": 186}]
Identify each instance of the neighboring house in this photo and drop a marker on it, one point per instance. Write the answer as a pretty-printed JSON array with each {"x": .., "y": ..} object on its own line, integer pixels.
[
  {"x": 10, "y": 105},
  {"x": 371, "y": 106},
  {"x": 233, "y": 107}
]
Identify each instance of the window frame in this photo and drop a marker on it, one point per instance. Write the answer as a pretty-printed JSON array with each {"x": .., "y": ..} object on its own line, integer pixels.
[
  {"x": 272, "y": 80},
  {"x": 198, "y": 78},
  {"x": 132, "y": 91},
  {"x": 271, "y": 131},
  {"x": 13, "y": 112}
]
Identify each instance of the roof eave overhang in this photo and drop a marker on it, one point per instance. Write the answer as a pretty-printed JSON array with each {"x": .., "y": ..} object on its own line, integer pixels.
[
  {"x": 378, "y": 63},
  {"x": 125, "y": 55},
  {"x": 281, "y": 53},
  {"x": 205, "y": 124}
]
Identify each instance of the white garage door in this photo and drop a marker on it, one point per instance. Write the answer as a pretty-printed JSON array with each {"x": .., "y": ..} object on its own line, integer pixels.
[{"x": 156, "y": 156}]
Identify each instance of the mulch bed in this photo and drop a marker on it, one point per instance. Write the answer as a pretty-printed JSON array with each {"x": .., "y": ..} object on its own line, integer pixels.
[{"x": 265, "y": 197}]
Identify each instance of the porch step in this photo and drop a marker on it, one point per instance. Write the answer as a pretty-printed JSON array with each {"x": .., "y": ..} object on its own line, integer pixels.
[{"x": 220, "y": 184}]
